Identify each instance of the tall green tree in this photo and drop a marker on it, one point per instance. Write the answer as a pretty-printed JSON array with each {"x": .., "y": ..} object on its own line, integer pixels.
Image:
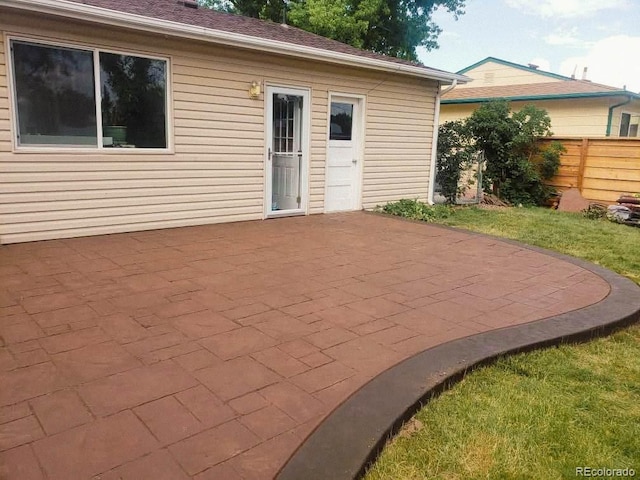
[{"x": 391, "y": 27}]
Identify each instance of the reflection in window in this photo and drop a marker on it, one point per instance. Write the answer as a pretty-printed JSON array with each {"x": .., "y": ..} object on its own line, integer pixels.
[
  {"x": 341, "y": 121},
  {"x": 55, "y": 95},
  {"x": 133, "y": 101},
  {"x": 56, "y": 98}
]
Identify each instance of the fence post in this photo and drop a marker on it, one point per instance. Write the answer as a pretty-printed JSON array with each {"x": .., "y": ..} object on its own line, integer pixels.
[{"x": 584, "y": 150}]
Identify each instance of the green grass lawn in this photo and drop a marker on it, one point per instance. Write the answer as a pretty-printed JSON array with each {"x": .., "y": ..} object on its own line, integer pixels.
[
  {"x": 542, "y": 414},
  {"x": 604, "y": 243}
]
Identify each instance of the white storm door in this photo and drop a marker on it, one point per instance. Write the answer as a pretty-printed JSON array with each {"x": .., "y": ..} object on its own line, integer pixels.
[
  {"x": 343, "y": 155},
  {"x": 286, "y": 154}
]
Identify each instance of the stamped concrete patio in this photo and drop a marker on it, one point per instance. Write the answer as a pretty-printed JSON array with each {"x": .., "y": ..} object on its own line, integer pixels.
[{"x": 212, "y": 352}]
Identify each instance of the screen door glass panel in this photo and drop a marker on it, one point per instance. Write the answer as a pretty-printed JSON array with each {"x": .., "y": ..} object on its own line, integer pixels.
[{"x": 286, "y": 152}]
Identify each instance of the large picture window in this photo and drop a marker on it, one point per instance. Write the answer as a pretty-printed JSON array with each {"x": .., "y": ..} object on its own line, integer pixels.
[
  {"x": 60, "y": 102},
  {"x": 55, "y": 95}
]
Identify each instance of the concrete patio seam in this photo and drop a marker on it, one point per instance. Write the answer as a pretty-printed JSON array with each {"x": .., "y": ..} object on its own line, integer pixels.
[{"x": 352, "y": 436}]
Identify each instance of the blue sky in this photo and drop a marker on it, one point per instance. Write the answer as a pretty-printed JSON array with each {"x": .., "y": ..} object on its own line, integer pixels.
[{"x": 557, "y": 35}]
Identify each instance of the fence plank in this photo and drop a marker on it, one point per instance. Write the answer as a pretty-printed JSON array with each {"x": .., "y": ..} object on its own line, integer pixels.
[
  {"x": 602, "y": 168},
  {"x": 584, "y": 150}
]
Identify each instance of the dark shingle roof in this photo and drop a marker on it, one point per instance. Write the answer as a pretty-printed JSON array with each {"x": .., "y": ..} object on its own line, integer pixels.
[
  {"x": 534, "y": 91},
  {"x": 530, "y": 90},
  {"x": 563, "y": 87},
  {"x": 176, "y": 11}
]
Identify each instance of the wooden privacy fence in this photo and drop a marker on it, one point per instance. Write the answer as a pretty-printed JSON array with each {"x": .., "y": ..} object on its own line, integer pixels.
[{"x": 602, "y": 168}]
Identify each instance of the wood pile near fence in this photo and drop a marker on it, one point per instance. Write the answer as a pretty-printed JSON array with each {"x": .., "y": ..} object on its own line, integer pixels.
[{"x": 602, "y": 168}]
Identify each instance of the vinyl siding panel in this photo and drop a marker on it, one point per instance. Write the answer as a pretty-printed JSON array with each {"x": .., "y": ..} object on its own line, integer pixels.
[
  {"x": 493, "y": 74},
  {"x": 398, "y": 145},
  {"x": 215, "y": 169}
]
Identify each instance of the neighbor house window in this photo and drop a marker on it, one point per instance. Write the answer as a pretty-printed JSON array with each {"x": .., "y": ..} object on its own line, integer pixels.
[
  {"x": 629, "y": 125},
  {"x": 62, "y": 99}
]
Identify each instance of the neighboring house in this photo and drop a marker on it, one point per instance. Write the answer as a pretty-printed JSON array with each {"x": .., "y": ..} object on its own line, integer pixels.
[
  {"x": 577, "y": 108},
  {"x": 120, "y": 115}
]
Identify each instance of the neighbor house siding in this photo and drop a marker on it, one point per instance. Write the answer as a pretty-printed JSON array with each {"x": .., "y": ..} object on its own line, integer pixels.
[
  {"x": 576, "y": 117},
  {"x": 450, "y": 113},
  {"x": 215, "y": 172},
  {"x": 493, "y": 74}
]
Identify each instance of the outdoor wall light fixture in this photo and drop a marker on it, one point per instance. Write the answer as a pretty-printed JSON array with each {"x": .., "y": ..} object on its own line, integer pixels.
[{"x": 254, "y": 90}]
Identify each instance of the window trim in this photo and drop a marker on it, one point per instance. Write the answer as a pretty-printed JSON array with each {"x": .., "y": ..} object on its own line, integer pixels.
[
  {"x": 96, "y": 50},
  {"x": 631, "y": 115}
]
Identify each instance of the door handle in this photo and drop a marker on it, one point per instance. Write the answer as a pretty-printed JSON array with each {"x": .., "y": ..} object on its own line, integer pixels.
[
  {"x": 355, "y": 160},
  {"x": 269, "y": 153}
]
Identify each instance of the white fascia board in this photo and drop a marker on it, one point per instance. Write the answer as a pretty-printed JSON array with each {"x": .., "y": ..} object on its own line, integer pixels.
[{"x": 116, "y": 18}]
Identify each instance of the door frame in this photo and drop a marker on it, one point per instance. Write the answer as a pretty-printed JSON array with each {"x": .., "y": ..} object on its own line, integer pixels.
[
  {"x": 358, "y": 128},
  {"x": 305, "y": 92}
]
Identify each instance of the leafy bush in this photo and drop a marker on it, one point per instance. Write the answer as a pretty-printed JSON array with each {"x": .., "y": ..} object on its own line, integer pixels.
[
  {"x": 551, "y": 159},
  {"x": 416, "y": 210},
  {"x": 455, "y": 154},
  {"x": 510, "y": 144},
  {"x": 595, "y": 212},
  {"x": 515, "y": 168}
]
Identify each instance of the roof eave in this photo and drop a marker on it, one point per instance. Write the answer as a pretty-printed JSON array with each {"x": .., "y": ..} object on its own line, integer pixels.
[
  {"x": 560, "y": 96},
  {"x": 116, "y": 18}
]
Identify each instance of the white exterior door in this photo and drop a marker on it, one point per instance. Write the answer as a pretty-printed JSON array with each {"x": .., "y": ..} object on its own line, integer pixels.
[
  {"x": 344, "y": 162},
  {"x": 286, "y": 151}
]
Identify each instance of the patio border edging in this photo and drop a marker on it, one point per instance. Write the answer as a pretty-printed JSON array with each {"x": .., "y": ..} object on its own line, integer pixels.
[{"x": 353, "y": 435}]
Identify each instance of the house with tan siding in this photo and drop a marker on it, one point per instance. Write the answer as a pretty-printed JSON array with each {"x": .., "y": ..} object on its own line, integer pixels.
[
  {"x": 120, "y": 116},
  {"x": 577, "y": 107}
]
